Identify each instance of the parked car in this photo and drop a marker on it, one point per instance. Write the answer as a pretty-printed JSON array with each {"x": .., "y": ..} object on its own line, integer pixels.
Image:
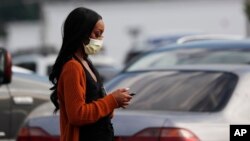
[
  {"x": 199, "y": 37},
  {"x": 106, "y": 66},
  {"x": 198, "y": 52},
  {"x": 38, "y": 63},
  {"x": 21, "y": 70},
  {"x": 42, "y": 64},
  {"x": 181, "y": 103},
  {"x": 153, "y": 42},
  {"x": 20, "y": 93}
]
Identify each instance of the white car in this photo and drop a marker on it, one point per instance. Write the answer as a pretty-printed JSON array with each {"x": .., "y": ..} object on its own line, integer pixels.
[
  {"x": 199, "y": 37},
  {"x": 21, "y": 91},
  {"x": 37, "y": 63},
  {"x": 182, "y": 103},
  {"x": 42, "y": 64},
  {"x": 18, "y": 69}
]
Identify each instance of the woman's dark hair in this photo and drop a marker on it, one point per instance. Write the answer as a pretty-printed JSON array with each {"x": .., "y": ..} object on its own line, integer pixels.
[{"x": 77, "y": 29}]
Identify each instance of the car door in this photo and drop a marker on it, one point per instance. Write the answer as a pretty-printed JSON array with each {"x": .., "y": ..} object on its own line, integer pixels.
[
  {"x": 27, "y": 92},
  {"x": 4, "y": 112}
]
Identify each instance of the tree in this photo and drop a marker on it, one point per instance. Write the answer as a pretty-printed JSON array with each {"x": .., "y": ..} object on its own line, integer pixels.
[
  {"x": 247, "y": 8},
  {"x": 247, "y": 12},
  {"x": 17, "y": 10}
]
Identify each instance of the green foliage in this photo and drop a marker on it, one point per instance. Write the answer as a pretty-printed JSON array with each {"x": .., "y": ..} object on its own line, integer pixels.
[
  {"x": 2, "y": 31},
  {"x": 17, "y": 10},
  {"x": 247, "y": 9}
]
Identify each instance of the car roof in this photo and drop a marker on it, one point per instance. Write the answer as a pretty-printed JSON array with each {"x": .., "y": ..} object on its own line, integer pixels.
[
  {"x": 34, "y": 58},
  {"x": 236, "y": 69},
  {"x": 32, "y": 76},
  {"x": 209, "y": 44},
  {"x": 103, "y": 60},
  {"x": 152, "y": 40},
  {"x": 157, "y": 38},
  {"x": 199, "y": 37}
]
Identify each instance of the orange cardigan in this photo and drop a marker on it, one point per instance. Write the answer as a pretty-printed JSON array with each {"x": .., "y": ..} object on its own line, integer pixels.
[{"x": 74, "y": 112}]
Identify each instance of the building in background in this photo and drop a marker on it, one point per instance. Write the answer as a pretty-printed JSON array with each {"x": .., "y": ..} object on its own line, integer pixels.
[{"x": 120, "y": 17}]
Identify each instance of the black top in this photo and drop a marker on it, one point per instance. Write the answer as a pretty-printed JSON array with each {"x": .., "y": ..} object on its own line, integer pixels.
[{"x": 101, "y": 130}]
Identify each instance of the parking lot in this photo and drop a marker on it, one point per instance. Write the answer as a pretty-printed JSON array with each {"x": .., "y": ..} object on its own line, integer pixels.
[{"x": 187, "y": 64}]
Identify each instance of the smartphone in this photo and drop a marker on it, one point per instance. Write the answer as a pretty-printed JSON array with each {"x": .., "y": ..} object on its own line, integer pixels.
[{"x": 132, "y": 94}]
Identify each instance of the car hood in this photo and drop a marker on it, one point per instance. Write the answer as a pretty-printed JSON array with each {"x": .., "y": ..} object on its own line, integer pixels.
[
  {"x": 127, "y": 123},
  {"x": 30, "y": 82}
]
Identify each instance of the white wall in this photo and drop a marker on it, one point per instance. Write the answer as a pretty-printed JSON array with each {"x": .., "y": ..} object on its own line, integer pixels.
[
  {"x": 23, "y": 35},
  {"x": 222, "y": 16}
]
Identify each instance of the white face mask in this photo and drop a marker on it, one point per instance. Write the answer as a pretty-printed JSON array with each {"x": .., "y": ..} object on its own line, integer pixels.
[{"x": 93, "y": 47}]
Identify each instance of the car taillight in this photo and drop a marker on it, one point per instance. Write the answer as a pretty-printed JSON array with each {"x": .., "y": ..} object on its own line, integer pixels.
[
  {"x": 35, "y": 134},
  {"x": 161, "y": 134}
]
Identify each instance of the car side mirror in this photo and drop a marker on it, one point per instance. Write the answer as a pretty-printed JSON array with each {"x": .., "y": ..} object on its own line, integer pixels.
[{"x": 5, "y": 66}]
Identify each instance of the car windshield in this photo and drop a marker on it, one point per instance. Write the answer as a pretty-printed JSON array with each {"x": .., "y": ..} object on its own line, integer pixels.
[
  {"x": 158, "y": 60},
  {"x": 177, "y": 90}
]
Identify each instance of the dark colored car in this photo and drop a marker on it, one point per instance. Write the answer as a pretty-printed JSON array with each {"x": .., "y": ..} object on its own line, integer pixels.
[
  {"x": 182, "y": 103},
  {"x": 20, "y": 93},
  {"x": 199, "y": 52}
]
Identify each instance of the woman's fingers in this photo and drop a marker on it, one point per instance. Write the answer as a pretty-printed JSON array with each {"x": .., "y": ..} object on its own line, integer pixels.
[
  {"x": 125, "y": 104},
  {"x": 127, "y": 96},
  {"x": 124, "y": 89},
  {"x": 122, "y": 97}
]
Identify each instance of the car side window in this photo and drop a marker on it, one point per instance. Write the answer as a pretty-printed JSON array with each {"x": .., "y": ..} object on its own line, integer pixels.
[
  {"x": 153, "y": 60},
  {"x": 29, "y": 65},
  {"x": 186, "y": 91},
  {"x": 178, "y": 90}
]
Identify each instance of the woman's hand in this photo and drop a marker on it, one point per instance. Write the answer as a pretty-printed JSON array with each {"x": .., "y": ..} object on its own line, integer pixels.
[{"x": 122, "y": 97}]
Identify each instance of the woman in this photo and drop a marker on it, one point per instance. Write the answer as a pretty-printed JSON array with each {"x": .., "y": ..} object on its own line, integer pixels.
[{"x": 85, "y": 109}]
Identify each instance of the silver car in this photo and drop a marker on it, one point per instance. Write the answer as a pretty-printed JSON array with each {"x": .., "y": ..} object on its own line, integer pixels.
[
  {"x": 182, "y": 103},
  {"x": 20, "y": 93},
  {"x": 197, "y": 52}
]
